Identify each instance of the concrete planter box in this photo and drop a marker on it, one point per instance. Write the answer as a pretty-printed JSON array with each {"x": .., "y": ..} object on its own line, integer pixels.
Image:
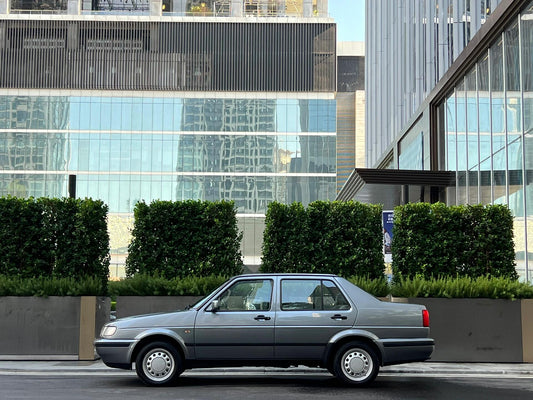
[
  {"x": 480, "y": 330},
  {"x": 465, "y": 330},
  {"x": 137, "y": 305},
  {"x": 53, "y": 328}
]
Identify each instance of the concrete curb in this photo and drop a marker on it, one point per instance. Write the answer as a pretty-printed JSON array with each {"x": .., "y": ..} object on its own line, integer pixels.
[{"x": 98, "y": 367}]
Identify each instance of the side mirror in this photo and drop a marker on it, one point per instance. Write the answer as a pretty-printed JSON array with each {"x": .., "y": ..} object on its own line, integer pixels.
[{"x": 215, "y": 306}]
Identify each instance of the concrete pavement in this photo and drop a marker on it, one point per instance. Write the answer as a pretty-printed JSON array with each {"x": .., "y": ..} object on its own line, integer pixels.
[{"x": 422, "y": 368}]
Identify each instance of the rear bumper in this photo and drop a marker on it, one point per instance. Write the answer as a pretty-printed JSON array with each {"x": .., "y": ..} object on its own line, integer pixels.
[
  {"x": 398, "y": 351},
  {"x": 115, "y": 353}
]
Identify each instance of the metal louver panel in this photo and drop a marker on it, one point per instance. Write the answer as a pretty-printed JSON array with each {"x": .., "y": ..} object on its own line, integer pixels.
[{"x": 179, "y": 56}]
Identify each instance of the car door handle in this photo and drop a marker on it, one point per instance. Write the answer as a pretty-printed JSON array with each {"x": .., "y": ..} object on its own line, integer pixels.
[
  {"x": 339, "y": 317},
  {"x": 262, "y": 318}
]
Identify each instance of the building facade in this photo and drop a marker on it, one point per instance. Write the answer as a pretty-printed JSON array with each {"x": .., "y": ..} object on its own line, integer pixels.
[
  {"x": 177, "y": 101},
  {"x": 350, "y": 109},
  {"x": 456, "y": 110}
]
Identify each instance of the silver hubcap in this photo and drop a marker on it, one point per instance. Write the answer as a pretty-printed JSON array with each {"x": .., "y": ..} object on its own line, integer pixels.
[
  {"x": 158, "y": 364},
  {"x": 357, "y": 364}
]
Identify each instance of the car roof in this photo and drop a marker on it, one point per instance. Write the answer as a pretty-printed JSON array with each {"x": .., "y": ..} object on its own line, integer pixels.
[{"x": 292, "y": 275}]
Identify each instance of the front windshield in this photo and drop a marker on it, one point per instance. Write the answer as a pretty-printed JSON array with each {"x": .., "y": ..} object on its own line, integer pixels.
[
  {"x": 203, "y": 300},
  {"x": 199, "y": 303}
]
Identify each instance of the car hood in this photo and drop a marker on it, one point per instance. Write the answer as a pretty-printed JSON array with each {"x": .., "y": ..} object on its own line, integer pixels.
[{"x": 176, "y": 318}]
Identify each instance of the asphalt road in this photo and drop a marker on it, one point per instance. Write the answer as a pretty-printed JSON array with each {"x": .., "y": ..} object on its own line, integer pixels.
[{"x": 127, "y": 387}]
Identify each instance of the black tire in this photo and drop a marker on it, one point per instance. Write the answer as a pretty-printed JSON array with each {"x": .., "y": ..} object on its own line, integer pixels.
[
  {"x": 158, "y": 364},
  {"x": 356, "y": 364}
]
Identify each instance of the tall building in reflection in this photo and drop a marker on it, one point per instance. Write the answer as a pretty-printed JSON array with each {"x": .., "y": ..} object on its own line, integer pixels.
[
  {"x": 25, "y": 147},
  {"x": 172, "y": 100},
  {"x": 241, "y": 144}
]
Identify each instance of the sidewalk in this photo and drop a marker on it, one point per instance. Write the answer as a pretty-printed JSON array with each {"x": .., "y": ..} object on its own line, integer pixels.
[{"x": 428, "y": 368}]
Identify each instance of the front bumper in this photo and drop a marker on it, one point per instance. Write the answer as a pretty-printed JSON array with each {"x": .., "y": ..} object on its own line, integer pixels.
[{"x": 115, "y": 353}]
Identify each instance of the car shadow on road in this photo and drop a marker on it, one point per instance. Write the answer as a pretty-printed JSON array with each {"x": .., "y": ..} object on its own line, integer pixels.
[{"x": 313, "y": 383}]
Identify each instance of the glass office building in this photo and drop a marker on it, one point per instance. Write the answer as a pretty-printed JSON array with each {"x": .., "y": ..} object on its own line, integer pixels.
[
  {"x": 169, "y": 108},
  {"x": 487, "y": 123},
  {"x": 411, "y": 45},
  {"x": 456, "y": 113}
]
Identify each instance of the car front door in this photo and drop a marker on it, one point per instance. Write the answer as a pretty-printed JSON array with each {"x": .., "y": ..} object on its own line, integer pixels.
[
  {"x": 239, "y": 324},
  {"x": 311, "y": 312}
]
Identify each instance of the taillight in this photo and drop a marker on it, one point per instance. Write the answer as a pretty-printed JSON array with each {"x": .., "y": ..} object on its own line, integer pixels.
[{"x": 425, "y": 318}]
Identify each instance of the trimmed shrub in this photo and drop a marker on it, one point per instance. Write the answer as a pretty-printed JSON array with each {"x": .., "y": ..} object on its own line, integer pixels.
[
  {"x": 26, "y": 245},
  {"x": 80, "y": 237},
  {"x": 462, "y": 287},
  {"x": 436, "y": 240},
  {"x": 378, "y": 287},
  {"x": 185, "y": 238},
  {"x": 57, "y": 238},
  {"x": 50, "y": 286},
  {"x": 147, "y": 285},
  {"x": 343, "y": 238},
  {"x": 286, "y": 239}
]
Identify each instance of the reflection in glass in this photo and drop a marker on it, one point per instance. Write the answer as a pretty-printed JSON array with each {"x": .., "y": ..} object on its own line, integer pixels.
[
  {"x": 451, "y": 146},
  {"x": 499, "y": 161},
  {"x": 485, "y": 142},
  {"x": 461, "y": 143},
  {"x": 526, "y": 30},
  {"x": 514, "y": 124},
  {"x": 472, "y": 135},
  {"x": 121, "y": 149},
  {"x": 21, "y": 150},
  {"x": 499, "y": 132},
  {"x": 43, "y": 5}
]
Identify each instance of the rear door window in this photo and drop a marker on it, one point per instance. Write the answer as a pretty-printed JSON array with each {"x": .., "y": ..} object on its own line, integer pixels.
[{"x": 311, "y": 294}]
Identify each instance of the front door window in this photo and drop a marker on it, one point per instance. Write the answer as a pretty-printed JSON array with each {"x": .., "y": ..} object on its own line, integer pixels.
[{"x": 247, "y": 296}]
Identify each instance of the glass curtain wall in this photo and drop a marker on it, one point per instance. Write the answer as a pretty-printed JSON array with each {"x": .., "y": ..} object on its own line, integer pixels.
[
  {"x": 526, "y": 53},
  {"x": 489, "y": 129},
  {"x": 126, "y": 149},
  {"x": 410, "y": 47}
]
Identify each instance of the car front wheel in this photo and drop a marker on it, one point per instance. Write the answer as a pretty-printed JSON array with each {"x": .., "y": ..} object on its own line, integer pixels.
[
  {"x": 356, "y": 364},
  {"x": 158, "y": 364}
]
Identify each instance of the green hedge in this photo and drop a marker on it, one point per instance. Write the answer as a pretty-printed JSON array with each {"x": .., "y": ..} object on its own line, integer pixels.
[
  {"x": 462, "y": 287},
  {"x": 436, "y": 240},
  {"x": 185, "y": 238},
  {"x": 54, "y": 238},
  {"x": 378, "y": 287},
  {"x": 343, "y": 238},
  {"x": 49, "y": 286},
  {"x": 456, "y": 287},
  {"x": 148, "y": 285},
  {"x": 143, "y": 285}
]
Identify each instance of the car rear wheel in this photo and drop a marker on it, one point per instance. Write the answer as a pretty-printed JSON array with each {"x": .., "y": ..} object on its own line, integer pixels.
[
  {"x": 158, "y": 364},
  {"x": 356, "y": 364}
]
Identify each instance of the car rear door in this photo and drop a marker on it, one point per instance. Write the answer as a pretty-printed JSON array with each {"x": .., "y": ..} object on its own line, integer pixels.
[
  {"x": 243, "y": 325},
  {"x": 311, "y": 311}
]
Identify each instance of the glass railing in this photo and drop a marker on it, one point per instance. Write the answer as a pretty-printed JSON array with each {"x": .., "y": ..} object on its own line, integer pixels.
[
  {"x": 164, "y": 13},
  {"x": 39, "y": 12},
  {"x": 144, "y": 10}
]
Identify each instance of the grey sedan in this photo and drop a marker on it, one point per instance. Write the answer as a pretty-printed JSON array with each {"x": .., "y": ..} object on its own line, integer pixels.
[{"x": 272, "y": 320}]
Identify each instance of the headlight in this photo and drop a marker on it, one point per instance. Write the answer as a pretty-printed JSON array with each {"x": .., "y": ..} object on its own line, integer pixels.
[{"x": 108, "y": 331}]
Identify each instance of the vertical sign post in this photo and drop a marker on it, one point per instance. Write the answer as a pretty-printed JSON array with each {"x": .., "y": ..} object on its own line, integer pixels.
[{"x": 388, "y": 222}]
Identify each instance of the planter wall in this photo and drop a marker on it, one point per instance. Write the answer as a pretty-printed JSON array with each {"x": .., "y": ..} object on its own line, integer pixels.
[
  {"x": 53, "y": 328},
  {"x": 137, "y": 305},
  {"x": 465, "y": 330},
  {"x": 480, "y": 330},
  {"x": 527, "y": 329}
]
